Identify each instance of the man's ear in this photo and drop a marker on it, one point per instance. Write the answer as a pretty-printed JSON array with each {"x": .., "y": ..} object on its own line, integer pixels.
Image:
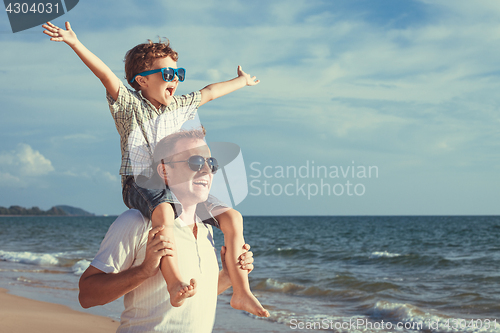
[{"x": 162, "y": 172}]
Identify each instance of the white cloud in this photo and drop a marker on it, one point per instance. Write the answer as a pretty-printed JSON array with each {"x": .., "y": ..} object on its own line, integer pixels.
[
  {"x": 6, "y": 179},
  {"x": 91, "y": 173},
  {"x": 75, "y": 139},
  {"x": 25, "y": 162}
]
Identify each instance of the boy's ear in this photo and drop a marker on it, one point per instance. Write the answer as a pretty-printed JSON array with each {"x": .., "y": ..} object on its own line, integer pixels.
[
  {"x": 142, "y": 81},
  {"x": 162, "y": 172}
]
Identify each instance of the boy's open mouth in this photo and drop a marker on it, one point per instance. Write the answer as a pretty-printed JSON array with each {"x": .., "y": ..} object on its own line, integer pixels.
[{"x": 170, "y": 90}]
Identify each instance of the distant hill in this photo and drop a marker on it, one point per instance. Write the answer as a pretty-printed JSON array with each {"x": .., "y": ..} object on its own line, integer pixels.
[
  {"x": 74, "y": 211},
  {"x": 60, "y": 210}
]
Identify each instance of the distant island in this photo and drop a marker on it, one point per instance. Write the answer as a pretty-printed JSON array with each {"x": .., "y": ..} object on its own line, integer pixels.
[{"x": 61, "y": 210}]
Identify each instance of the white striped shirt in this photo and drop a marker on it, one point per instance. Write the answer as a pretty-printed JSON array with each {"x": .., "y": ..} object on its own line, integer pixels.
[{"x": 148, "y": 308}]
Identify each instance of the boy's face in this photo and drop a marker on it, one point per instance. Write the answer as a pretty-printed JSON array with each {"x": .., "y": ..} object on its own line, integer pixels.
[{"x": 155, "y": 89}]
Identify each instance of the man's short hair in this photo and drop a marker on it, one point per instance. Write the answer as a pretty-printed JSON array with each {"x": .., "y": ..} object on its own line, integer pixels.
[
  {"x": 140, "y": 58},
  {"x": 164, "y": 153},
  {"x": 165, "y": 147}
]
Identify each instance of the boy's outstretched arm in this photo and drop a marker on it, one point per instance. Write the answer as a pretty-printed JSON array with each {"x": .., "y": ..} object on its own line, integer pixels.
[
  {"x": 99, "y": 68},
  {"x": 216, "y": 90}
]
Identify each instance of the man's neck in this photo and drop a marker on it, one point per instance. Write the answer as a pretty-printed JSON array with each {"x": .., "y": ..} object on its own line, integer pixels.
[{"x": 188, "y": 216}]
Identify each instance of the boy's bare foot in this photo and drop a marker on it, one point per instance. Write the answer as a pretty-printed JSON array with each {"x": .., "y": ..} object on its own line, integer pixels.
[
  {"x": 249, "y": 303},
  {"x": 180, "y": 291}
]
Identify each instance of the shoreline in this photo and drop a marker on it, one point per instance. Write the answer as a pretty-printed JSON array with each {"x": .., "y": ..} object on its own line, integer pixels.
[{"x": 19, "y": 315}]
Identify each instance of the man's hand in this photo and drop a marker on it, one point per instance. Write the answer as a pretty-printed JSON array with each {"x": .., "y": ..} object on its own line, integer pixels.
[
  {"x": 60, "y": 35},
  {"x": 250, "y": 80},
  {"x": 157, "y": 247},
  {"x": 245, "y": 259},
  {"x": 246, "y": 263}
]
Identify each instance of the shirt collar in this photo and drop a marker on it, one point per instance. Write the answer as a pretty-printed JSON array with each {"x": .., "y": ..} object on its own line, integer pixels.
[{"x": 162, "y": 107}]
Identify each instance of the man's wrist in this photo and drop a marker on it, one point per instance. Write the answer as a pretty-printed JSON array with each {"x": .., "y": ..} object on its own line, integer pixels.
[{"x": 143, "y": 273}]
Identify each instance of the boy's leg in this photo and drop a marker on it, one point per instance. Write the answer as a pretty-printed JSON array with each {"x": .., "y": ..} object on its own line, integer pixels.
[
  {"x": 179, "y": 290},
  {"x": 143, "y": 199},
  {"x": 231, "y": 224}
]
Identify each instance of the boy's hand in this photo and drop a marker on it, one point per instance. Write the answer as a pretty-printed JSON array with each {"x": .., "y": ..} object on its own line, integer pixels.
[
  {"x": 60, "y": 35},
  {"x": 250, "y": 80}
]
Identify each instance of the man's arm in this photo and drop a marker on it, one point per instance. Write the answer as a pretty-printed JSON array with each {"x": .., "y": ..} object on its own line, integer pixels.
[
  {"x": 99, "y": 68},
  {"x": 246, "y": 263},
  {"x": 216, "y": 90},
  {"x": 99, "y": 288}
]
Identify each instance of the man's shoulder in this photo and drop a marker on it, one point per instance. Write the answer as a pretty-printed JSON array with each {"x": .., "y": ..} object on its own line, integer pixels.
[
  {"x": 121, "y": 244},
  {"x": 131, "y": 219},
  {"x": 131, "y": 215}
]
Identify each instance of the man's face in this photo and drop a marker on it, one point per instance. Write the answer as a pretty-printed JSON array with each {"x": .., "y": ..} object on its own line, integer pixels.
[
  {"x": 156, "y": 90},
  {"x": 190, "y": 187}
]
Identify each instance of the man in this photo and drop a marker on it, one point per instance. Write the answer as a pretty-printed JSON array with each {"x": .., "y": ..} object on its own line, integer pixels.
[{"x": 128, "y": 261}]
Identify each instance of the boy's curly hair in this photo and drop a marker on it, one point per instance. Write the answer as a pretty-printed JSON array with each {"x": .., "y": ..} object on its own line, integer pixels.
[{"x": 140, "y": 58}]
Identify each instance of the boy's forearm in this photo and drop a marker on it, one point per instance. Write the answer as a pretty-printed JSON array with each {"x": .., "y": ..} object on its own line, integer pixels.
[
  {"x": 95, "y": 64},
  {"x": 216, "y": 90}
]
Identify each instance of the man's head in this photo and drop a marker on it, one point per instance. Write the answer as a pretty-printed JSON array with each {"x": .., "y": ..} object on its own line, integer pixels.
[
  {"x": 186, "y": 166},
  {"x": 150, "y": 56}
]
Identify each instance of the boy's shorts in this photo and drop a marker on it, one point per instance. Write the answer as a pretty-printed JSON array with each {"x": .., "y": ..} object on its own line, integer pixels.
[{"x": 146, "y": 200}]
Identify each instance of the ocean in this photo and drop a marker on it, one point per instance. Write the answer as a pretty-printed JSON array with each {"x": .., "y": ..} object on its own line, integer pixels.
[{"x": 330, "y": 274}]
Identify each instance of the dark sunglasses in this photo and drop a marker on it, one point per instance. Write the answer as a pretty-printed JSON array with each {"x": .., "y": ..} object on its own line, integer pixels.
[
  {"x": 197, "y": 162},
  {"x": 167, "y": 73}
]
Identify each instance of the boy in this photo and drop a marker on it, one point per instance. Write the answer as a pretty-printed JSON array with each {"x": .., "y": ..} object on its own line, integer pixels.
[{"x": 152, "y": 70}]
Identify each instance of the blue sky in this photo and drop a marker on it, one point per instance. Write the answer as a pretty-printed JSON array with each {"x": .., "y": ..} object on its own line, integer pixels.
[{"x": 409, "y": 88}]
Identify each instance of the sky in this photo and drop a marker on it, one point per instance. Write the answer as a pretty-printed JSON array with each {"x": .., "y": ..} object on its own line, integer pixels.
[{"x": 365, "y": 107}]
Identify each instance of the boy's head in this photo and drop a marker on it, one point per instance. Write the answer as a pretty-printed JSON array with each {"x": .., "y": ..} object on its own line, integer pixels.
[{"x": 141, "y": 58}]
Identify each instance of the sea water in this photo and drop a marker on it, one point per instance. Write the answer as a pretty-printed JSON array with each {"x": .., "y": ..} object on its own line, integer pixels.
[{"x": 335, "y": 274}]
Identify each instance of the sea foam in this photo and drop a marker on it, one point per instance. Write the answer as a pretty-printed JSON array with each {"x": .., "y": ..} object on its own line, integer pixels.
[
  {"x": 80, "y": 267},
  {"x": 39, "y": 259},
  {"x": 407, "y": 313},
  {"x": 277, "y": 286},
  {"x": 383, "y": 254}
]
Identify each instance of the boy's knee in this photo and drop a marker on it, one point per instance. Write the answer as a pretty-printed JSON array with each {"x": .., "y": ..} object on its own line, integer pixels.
[
  {"x": 231, "y": 221},
  {"x": 164, "y": 213}
]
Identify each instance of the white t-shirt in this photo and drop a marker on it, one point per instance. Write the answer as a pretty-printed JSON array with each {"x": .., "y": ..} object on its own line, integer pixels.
[{"x": 148, "y": 308}]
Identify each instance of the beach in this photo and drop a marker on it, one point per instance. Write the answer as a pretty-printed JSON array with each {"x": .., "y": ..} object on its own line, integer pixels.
[{"x": 21, "y": 315}]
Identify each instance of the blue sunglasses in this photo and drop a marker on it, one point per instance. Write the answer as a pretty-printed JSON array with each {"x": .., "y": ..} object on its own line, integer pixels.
[{"x": 167, "y": 73}]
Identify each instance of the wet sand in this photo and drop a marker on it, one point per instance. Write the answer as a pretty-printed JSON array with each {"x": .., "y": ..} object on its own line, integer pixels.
[{"x": 21, "y": 315}]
